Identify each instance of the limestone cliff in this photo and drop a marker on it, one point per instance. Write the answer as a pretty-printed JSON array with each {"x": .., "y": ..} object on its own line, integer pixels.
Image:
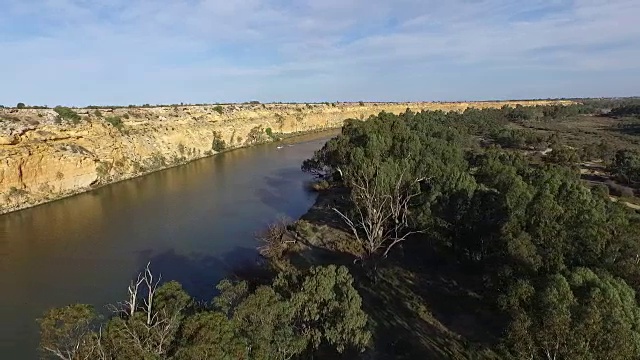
[{"x": 44, "y": 157}]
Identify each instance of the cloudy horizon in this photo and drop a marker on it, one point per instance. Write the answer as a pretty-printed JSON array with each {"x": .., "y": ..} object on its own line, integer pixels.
[{"x": 82, "y": 52}]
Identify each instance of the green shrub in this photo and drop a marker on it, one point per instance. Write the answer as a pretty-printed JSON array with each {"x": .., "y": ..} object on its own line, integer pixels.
[
  {"x": 65, "y": 113},
  {"x": 15, "y": 192},
  {"x": 271, "y": 134},
  {"x": 361, "y": 103},
  {"x": 103, "y": 169},
  {"x": 218, "y": 109},
  {"x": 255, "y": 135},
  {"x": 97, "y": 113},
  {"x": 218, "y": 144},
  {"x": 21, "y": 106},
  {"x": 115, "y": 121}
]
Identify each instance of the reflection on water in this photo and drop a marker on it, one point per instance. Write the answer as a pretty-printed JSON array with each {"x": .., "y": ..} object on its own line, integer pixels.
[{"x": 194, "y": 223}]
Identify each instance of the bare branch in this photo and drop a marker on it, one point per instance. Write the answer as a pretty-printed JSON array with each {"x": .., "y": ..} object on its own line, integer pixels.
[
  {"x": 152, "y": 286},
  {"x": 273, "y": 238},
  {"x": 398, "y": 240},
  {"x": 349, "y": 223},
  {"x": 380, "y": 212}
]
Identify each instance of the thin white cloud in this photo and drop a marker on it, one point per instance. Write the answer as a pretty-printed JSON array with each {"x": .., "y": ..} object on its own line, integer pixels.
[{"x": 165, "y": 45}]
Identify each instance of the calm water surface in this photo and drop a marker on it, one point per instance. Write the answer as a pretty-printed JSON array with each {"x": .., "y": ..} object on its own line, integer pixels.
[{"x": 194, "y": 223}]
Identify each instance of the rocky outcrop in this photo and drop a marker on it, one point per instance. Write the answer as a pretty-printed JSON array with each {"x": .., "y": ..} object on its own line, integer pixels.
[{"x": 44, "y": 157}]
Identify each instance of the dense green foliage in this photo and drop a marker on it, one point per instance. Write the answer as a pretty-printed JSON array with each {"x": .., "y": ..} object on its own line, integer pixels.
[
  {"x": 218, "y": 144},
  {"x": 626, "y": 166},
  {"x": 298, "y": 315},
  {"x": 115, "y": 121},
  {"x": 65, "y": 113},
  {"x": 557, "y": 261}
]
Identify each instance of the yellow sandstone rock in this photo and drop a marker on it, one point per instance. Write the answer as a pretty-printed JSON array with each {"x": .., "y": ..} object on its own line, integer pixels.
[{"x": 43, "y": 158}]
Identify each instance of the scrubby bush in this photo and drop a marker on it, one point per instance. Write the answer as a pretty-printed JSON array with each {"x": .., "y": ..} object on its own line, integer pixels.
[
  {"x": 65, "y": 113},
  {"x": 273, "y": 239},
  {"x": 21, "y": 105},
  {"x": 218, "y": 144},
  {"x": 218, "y": 109},
  {"x": 626, "y": 166},
  {"x": 255, "y": 136},
  {"x": 320, "y": 185},
  {"x": 115, "y": 121}
]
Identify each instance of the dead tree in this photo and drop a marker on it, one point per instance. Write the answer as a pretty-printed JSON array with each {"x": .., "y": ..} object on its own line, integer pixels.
[
  {"x": 148, "y": 329},
  {"x": 273, "y": 238},
  {"x": 380, "y": 213}
]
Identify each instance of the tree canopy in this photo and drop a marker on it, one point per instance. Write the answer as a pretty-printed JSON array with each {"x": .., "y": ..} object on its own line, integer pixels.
[
  {"x": 296, "y": 316},
  {"x": 481, "y": 191}
]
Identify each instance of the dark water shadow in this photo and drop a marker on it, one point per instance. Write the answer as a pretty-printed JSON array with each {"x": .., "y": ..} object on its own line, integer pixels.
[
  {"x": 200, "y": 273},
  {"x": 277, "y": 189}
]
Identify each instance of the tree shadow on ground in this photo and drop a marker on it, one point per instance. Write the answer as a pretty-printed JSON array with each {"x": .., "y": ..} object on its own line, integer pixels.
[
  {"x": 420, "y": 317},
  {"x": 322, "y": 213},
  {"x": 417, "y": 312},
  {"x": 627, "y": 126},
  {"x": 456, "y": 292}
]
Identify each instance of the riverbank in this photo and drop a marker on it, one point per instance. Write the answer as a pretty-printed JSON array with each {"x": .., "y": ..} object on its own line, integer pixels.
[
  {"x": 195, "y": 223},
  {"x": 49, "y": 154},
  {"x": 285, "y": 140}
]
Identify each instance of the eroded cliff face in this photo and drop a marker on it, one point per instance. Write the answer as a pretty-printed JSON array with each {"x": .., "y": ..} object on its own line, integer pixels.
[{"x": 43, "y": 157}]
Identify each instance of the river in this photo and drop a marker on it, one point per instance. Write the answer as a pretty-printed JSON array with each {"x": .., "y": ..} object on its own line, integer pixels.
[{"x": 194, "y": 223}]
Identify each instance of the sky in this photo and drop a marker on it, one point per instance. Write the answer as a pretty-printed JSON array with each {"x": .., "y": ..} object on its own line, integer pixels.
[{"x": 120, "y": 52}]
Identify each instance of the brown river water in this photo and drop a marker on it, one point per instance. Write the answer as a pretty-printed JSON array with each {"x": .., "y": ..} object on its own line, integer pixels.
[{"x": 194, "y": 223}]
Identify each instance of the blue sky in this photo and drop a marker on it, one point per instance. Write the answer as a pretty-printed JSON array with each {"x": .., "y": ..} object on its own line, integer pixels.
[{"x": 82, "y": 52}]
